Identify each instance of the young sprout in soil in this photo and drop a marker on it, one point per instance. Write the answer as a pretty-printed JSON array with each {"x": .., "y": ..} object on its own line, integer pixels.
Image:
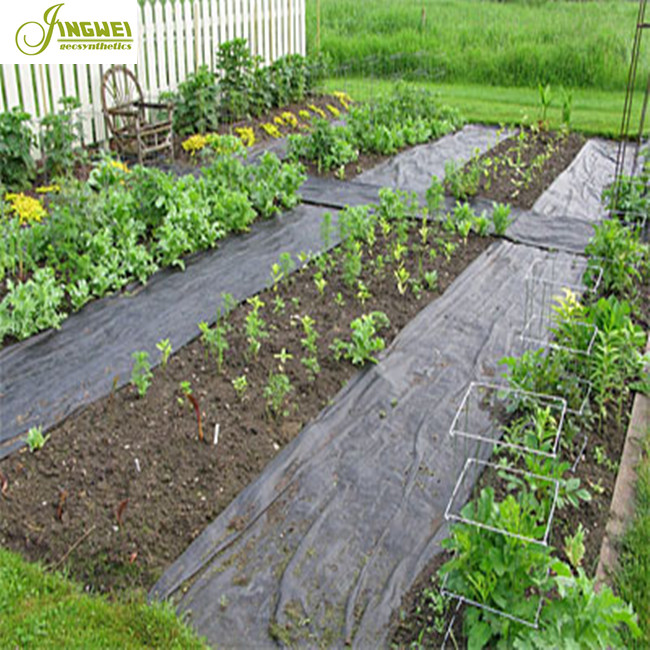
[
  {"x": 229, "y": 303},
  {"x": 364, "y": 343},
  {"x": 240, "y": 384},
  {"x": 283, "y": 356},
  {"x": 286, "y": 264},
  {"x": 326, "y": 230},
  {"x": 500, "y": 218},
  {"x": 574, "y": 547},
  {"x": 278, "y": 305},
  {"x": 481, "y": 225},
  {"x": 431, "y": 278},
  {"x": 352, "y": 263},
  {"x": 141, "y": 374},
  {"x": 338, "y": 299},
  {"x": 295, "y": 301},
  {"x": 363, "y": 293},
  {"x": 309, "y": 342},
  {"x": 35, "y": 439},
  {"x": 424, "y": 230},
  {"x": 214, "y": 340},
  {"x": 276, "y": 393},
  {"x": 164, "y": 346},
  {"x": 402, "y": 276},
  {"x": 255, "y": 327},
  {"x": 320, "y": 282},
  {"x": 186, "y": 389}
]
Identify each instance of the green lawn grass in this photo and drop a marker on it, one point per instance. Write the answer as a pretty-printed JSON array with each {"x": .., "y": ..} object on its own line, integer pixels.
[
  {"x": 45, "y": 610},
  {"x": 571, "y": 44},
  {"x": 633, "y": 577},
  {"x": 593, "y": 112}
]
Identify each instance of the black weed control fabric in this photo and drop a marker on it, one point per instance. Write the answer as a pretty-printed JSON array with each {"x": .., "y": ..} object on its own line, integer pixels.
[
  {"x": 340, "y": 524},
  {"x": 45, "y": 378},
  {"x": 413, "y": 169}
]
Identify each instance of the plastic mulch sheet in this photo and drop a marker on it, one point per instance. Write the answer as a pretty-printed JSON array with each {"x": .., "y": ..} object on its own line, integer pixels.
[
  {"x": 321, "y": 547},
  {"x": 45, "y": 378}
]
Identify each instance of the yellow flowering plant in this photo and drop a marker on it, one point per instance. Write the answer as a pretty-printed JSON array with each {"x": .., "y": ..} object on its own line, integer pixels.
[
  {"x": 48, "y": 189},
  {"x": 27, "y": 208},
  {"x": 290, "y": 119},
  {"x": 271, "y": 129},
  {"x": 195, "y": 143},
  {"x": 278, "y": 120},
  {"x": 333, "y": 110},
  {"x": 246, "y": 135},
  {"x": 306, "y": 115},
  {"x": 344, "y": 99},
  {"x": 318, "y": 111}
]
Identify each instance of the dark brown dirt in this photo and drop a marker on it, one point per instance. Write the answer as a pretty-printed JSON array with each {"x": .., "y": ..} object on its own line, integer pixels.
[
  {"x": 521, "y": 168},
  {"x": 123, "y": 487}
]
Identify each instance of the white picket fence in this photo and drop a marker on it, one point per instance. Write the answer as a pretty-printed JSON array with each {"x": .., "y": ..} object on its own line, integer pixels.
[{"x": 175, "y": 38}]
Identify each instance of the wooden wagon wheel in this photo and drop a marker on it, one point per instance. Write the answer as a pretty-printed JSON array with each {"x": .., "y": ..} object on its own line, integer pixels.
[{"x": 121, "y": 96}]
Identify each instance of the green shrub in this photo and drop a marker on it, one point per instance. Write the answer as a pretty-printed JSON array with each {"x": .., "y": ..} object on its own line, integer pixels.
[
  {"x": 17, "y": 167},
  {"x": 60, "y": 133},
  {"x": 196, "y": 103}
]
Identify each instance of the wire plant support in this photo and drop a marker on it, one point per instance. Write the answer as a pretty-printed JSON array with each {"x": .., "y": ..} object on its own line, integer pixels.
[
  {"x": 484, "y": 399},
  {"x": 472, "y": 468}
]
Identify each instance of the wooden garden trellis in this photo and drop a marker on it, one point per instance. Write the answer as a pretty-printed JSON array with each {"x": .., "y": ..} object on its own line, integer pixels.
[{"x": 175, "y": 38}]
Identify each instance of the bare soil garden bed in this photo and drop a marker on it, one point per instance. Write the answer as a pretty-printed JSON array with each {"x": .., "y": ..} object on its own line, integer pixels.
[
  {"x": 519, "y": 169},
  {"x": 121, "y": 488}
]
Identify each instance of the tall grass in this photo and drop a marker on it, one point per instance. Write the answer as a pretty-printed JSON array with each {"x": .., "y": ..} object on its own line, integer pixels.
[{"x": 571, "y": 44}]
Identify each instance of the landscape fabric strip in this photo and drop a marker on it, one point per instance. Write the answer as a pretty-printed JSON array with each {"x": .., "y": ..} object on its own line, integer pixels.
[
  {"x": 577, "y": 190},
  {"x": 343, "y": 520},
  {"x": 45, "y": 378},
  {"x": 413, "y": 168}
]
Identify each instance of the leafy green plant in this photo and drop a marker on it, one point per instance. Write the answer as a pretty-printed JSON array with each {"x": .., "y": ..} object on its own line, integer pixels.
[
  {"x": 164, "y": 346},
  {"x": 402, "y": 276},
  {"x": 276, "y": 393},
  {"x": 620, "y": 254},
  {"x": 431, "y": 279},
  {"x": 255, "y": 327},
  {"x": 364, "y": 342},
  {"x": 463, "y": 181},
  {"x": 240, "y": 384},
  {"x": 330, "y": 147},
  {"x": 17, "y": 167},
  {"x": 196, "y": 103},
  {"x": 215, "y": 340},
  {"x": 31, "y": 306},
  {"x": 141, "y": 375},
  {"x": 35, "y": 439},
  {"x": 500, "y": 218},
  {"x": 580, "y": 617},
  {"x": 61, "y": 131}
]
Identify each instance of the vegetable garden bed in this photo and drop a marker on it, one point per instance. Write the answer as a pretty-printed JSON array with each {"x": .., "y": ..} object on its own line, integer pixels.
[{"x": 121, "y": 489}]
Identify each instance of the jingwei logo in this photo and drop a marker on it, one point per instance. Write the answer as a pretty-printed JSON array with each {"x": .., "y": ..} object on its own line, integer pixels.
[{"x": 34, "y": 38}]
